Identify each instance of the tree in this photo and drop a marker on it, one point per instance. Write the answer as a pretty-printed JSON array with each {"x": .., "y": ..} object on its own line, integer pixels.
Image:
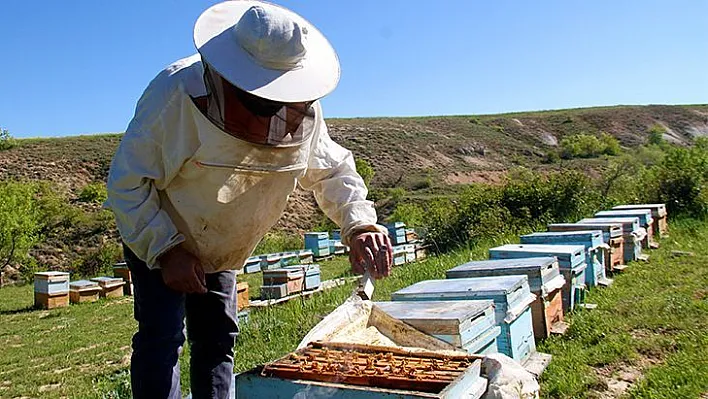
[
  {"x": 365, "y": 170},
  {"x": 6, "y": 140}
]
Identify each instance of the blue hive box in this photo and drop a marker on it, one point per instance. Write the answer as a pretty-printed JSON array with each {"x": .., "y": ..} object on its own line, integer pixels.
[
  {"x": 270, "y": 261},
  {"x": 252, "y": 265},
  {"x": 318, "y": 243},
  {"x": 631, "y": 232},
  {"x": 658, "y": 213},
  {"x": 459, "y": 323},
  {"x": 611, "y": 234},
  {"x": 399, "y": 255},
  {"x": 397, "y": 233},
  {"x": 289, "y": 259},
  {"x": 594, "y": 250},
  {"x": 545, "y": 281},
  {"x": 645, "y": 220},
  {"x": 512, "y": 299},
  {"x": 571, "y": 259},
  {"x": 337, "y": 235}
]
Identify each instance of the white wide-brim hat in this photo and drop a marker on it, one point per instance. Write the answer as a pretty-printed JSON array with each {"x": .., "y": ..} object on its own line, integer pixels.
[{"x": 267, "y": 50}]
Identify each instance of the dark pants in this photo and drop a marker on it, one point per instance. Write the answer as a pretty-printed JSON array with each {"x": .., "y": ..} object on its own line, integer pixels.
[{"x": 212, "y": 328}]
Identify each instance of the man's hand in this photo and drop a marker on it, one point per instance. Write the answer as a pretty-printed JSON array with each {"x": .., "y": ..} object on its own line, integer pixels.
[
  {"x": 182, "y": 271},
  {"x": 373, "y": 251}
]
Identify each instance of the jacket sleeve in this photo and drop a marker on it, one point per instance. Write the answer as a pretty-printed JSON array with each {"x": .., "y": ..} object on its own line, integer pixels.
[
  {"x": 339, "y": 190},
  {"x": 145, "y": 162}
]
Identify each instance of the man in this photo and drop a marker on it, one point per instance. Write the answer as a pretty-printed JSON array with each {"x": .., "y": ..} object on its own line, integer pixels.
[{"x": 218, "y": 142}]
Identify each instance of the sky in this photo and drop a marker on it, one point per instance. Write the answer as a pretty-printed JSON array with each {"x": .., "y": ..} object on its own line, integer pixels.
[{"x": 79, "y": 66}]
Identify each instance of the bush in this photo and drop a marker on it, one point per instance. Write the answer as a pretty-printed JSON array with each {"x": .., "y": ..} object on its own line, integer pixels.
[
  {"x": 365, "y": 170},
  {"x": 682, "y": 178},
  {"x": 589, "y": 146},
  {"x": 6, "y": 140},
  {"x": 411, "y": 214},
  {"x": 98, "y": 261},
  {"x": 21, "y": 220},
  {"x": 656, "y": 134},
  {"x": 94, "y": 193}
]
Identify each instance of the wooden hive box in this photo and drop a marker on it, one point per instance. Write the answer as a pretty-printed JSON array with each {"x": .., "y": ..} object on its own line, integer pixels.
[
  {"x": 242, "y": 297},
  {"x": 399, "y": 255},
  {"x": 293, "y": 278},
  {"x": 545, "y": 281},
  {"x": 631, "y": 232},
  {"x": 274, "y": 291},
  {"x": 306, "y": 256},
  {"x": 318, "y": 243},
  {"x": 411, "y": 235},
  {"x": 312, "y": 276},
  {"x": 421, "y": 251},
  {"x": 512, "y": 299},
  {"x": 658, "y": 213},
  {"x": 270, "y": 262},
  {"x": 111, "y": 287},
  {"x": 83, "y": 291},
  {"x": 571, "y": 259},
  {"x": 252, "y": 265},
  {"x": 121, "y": 270},
  {"x": 51, "y": 290},
  {"x": 468, "y": 324},
  {"x": 611, "y": 234},
  {"x": 595, "y": 248},
  {"x": 397, "y": 233},
  {"x": 645, "y": 220}
]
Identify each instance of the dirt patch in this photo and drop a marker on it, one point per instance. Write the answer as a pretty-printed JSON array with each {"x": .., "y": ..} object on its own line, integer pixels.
[
  {"x": 700, "y": 295},
  {"x": 617, "y": 379},
  {"x": 49, "y": 387},
  {"x": 489, "y": 177}
]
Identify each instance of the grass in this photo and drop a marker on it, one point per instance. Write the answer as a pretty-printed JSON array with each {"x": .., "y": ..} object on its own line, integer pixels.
[{"x": 653, "y": 319}]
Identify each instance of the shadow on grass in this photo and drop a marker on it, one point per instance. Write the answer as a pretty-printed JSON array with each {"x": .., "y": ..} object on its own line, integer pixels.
[{"x": 26, "y": 309}]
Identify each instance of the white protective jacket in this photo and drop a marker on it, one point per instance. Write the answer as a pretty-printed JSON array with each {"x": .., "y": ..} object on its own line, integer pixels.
[{"x": 176, "y": 178}]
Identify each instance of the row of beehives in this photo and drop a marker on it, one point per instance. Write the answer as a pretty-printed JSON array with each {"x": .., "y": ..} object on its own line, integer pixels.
[
  {"x": 54, "y": 290},
  {"x": 523, "y": 292}
]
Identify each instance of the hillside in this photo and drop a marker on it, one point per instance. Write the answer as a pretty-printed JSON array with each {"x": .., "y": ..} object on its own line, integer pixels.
[{"x": 422, "y": 155}]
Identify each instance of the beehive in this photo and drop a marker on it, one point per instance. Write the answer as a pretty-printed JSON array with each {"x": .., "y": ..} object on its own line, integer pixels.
[
  {"x": 306, "y": 256},
  {"x": 459, "y": 323},
  {"x": 410, "y": 252},
  {"x": 293, "y": 278},
  {"x": 318, "y": 243},
  {"x": 51, "y": 290},
  {"x": 348, "y": 371},
  {"x": 645, "y": 220},
  {"x": 399, "y": 255},
  {"x": 397, "y": 233},
  {"x": 631, "y": 232},
  {"x": 252, "y": 265},
  {"x": 512, "y": 299},
  {"x": 270, "y": 261},
  {"x": 122, "y": 271},
  {"x": 658, "y": 213},
  {"x": 84, "y": 291},
  {"x": 421, "y": 251},
  {"x": 545, "y": 281},
  {"x": 411, "y": 235},
  {"x": 312, "y": 276},
  {"x": 612, "y": 235},
  {"x": 595, "y": 248},
  {"x": 111, "y": 287},
  {"x": 242, "y": 296},
  {"x": 289, "y": 259},
  {"x": 571, "y": 259}
]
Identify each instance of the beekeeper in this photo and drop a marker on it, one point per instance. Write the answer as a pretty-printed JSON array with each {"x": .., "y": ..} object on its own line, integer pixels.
[{"x": 218, "y": 142}]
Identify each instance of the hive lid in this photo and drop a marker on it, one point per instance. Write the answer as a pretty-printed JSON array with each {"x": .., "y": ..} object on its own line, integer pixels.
[
  {"x": 627, "y": 223},
  {"x": 524, "y": 264},
  {"x": 580, "y": 234},
  {"x": 432, "y": 311},
  {"x": 657, "y": 209},
  {"x": 51, "y": 274},
  {"x": 464, "y": 287},
  {"x": 107, "y": 280},
  {"x": 643, "y": 214},
  {"x": 83, "y": 284},
  {"x": 555, "y": 250}
]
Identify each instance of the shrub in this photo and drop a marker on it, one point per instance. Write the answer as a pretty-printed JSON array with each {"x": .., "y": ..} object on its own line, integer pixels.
[
  {"x": 656, "y": 134},
  {"x": 365, "y": 170},
  {"x": 94, "y": 192},
  {"x": 681, "y": 180},
  {"x": 6, "y": 140},
  {"x": 411, "y": 214},
  {"x": 99, "y": 261},
  {"x": 589, "y": 146},
  {"x": 21, "y": 220}
]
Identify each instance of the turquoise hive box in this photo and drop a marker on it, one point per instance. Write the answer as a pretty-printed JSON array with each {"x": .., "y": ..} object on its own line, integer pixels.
[
  {"x": 631, "y": 232},
  {"x": 465, "y": 324},
  {"x": 252, "y": 265},
  {"x": 571, "y": 259},
  {"x": 512, "y": 299},
  {"x": 545, "y": 281},
  {"x": 397, "y": 233},
  {"x": 318, "y": 243},
  {"x": 595, "y": 246}
]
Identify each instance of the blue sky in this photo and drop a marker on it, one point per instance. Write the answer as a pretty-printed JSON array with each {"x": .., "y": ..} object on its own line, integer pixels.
[{"x": 79, "y": 66}]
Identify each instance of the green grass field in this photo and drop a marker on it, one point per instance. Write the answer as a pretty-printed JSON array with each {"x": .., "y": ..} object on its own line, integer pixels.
[{"x": 650, "y": 327}]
